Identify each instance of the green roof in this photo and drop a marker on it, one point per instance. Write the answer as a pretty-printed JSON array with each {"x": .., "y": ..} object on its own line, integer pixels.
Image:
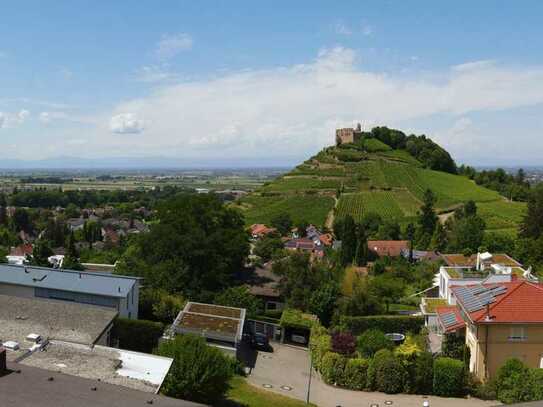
[
  {"x": 430, "y": 304},
  {"x": 297, "y": 319}
]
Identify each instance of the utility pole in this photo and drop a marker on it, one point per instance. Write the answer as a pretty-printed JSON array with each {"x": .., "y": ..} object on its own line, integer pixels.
[{"x": 310, "y": 374}]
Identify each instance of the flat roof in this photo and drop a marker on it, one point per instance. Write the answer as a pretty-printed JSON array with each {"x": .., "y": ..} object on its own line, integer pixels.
[
  {"x": 104, "y": 284},
  {"x": 32, "y": 387},
  {"x": 213, "y": 321},
  {"x": 138, "y": 371},
  {"x": 61, "y": 320}
]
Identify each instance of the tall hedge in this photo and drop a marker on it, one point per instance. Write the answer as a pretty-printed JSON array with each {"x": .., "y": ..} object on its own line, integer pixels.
[
  {"x": 137, "y": 335},
  {"x": 384, "y": 323},
  {"x": 449, "y": 377},
  {"x": 356, "y": 374},
  {"x": 333, "y": 367},
  {"x": 390, "y": 375}
]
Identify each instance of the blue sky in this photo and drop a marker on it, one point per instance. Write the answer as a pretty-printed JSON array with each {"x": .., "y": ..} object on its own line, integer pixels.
[{"x": 213, "y": 82}]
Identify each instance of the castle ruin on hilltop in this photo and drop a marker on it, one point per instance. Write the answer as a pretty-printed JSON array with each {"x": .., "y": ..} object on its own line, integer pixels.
[{"x": 348, "y": 135}]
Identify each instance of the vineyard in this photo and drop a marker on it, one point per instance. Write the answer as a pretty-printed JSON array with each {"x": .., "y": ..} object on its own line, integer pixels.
[
  {"x": 262, "y": 209},
  {"x": 388, "y": 182},
  {"x": 359, "y": 204}
]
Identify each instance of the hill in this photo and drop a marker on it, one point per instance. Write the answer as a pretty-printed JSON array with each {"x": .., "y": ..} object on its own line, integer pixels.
[{"x": 372, "y": 176}]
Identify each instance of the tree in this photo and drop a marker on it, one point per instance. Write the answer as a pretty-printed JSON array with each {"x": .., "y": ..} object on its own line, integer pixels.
[
  {"x": 512, "y": 382},
  {"x": 301, "y": 280},
  {"x": 467, "y": 233},
  {"x": 267, "y": 246},
  {"x": 41, "y": 253},
  {"x": 240, "y": 297},
  {"x": 371, "y": 341},
  {"x": 195, "y": 249},
  {"x": 388, "y": 288},
  {"x": 283, "y": 223},
  {"x": 389, "y": 230},
  {"x": 439, "y": 238},
  {"x": 427, "y": 216},
  {"x": 3, "y": 211},
  {"x": 302, "y": 228},
  {"x": 349, "y": 240},
  {"x": 532, "y": 223},
  {"x": 323, "y": 301},
  {"x": 198, "y": 373},
  {"x": 361, "y": 255},
  {"x": 410, "y": 235},
  {"x": 71, "y": 259},
  {"x": 21, "y": 220}
]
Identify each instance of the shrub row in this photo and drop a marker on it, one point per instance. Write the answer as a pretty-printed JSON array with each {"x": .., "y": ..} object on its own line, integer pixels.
[
  {"x": 385, "y": 323},
  {"x": 515, "y": 383},
  {"x": 407, "y": 368}
]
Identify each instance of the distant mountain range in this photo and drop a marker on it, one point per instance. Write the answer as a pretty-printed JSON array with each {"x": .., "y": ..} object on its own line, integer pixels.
[{"x": 139, "y": 163}]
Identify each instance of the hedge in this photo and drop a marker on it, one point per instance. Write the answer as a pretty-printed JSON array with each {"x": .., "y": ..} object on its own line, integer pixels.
[
  {"x": 297, "y": 319},
  {"x": 320, "y": 344},
  {"x": 390, "y": 375},
  {"x": 137, "y": 335},
  {"x": 355, "y": 376},
  {"x": 333, "y": 368},
  {"x": 449, "y": 377},
  {"x": 385, "y": 323},
  {"x": 371, "y": 341},
  {"x": 377, "y": 360}
]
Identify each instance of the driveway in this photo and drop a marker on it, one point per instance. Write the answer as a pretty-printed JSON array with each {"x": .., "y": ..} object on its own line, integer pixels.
[{"x": 286, "y": 370}]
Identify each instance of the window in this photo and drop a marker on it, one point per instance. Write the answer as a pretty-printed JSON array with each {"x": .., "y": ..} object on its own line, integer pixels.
[
  {"x": 517, "y": 334},
  {"x": 271, "y": 305}
]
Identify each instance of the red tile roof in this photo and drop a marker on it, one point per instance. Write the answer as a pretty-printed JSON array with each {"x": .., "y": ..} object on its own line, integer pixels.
[
  {"x": 259, "y": 229},
  {"x": 392, "y": 248},
  {"x": 458, "y": 323},
  {"x": 522, "y": 302}
]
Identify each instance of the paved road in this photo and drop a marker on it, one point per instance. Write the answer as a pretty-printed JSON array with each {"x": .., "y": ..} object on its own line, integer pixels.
[{"x": 288, "y": 366}]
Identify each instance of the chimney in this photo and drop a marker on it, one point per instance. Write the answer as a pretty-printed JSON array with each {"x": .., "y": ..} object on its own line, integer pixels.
[
  {"x": 488, "y": 317},
  {"x": 3, "y": 366}
]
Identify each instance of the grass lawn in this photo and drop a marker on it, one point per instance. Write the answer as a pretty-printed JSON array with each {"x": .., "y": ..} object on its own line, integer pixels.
[{"x": 243, "y": 394}]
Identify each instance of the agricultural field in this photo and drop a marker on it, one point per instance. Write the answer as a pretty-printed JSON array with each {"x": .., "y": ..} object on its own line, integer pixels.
[
  {"x": 380, "y": 202},
  {"x": 501, "y": 214},
  {"x": 262, "y": 209},
  {"x": 301, "y": 183}
]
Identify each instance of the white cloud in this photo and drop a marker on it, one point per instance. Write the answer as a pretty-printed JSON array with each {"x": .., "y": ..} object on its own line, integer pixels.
[
  {"x": 2, "y": 119},
  {"x": 154, "y": 73},
  {"x": 126, "y": 123},
  {"x": 294, "y": 110},
  {"x": 366, "y": 29},
  {"x": 23, "y": 115},
  {"x": 342, "y": 29},
  {"x": 171, "y": 45},
  {"x": 47, "y": 117}
]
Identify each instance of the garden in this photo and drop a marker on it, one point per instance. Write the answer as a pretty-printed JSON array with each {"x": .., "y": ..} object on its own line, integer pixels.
[{"x": 361, "y": 354}]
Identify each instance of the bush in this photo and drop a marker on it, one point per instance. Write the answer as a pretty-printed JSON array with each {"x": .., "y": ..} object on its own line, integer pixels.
[
  {"x": 377, "y": 360},
  {"x": 423, "y": 375},
  {"x": 199, "y": 372},
  {"x": 343, "y": 343},
  {"x": 333, "y": 367},
  {"x": 371, "y": 341},
  {"x": 513, "y": 382},
  {"x": 320, "y": 344},
  {"x": 356, "y": 374},
  {"x": 384, "y": 323},
  {"x": 449, "y": 377},
  {"x": 536, "y": 382},
  {"x": 390, "y": 375},
  {"x": 137, "y": 334},
  {"x": 453, "y": 346}
]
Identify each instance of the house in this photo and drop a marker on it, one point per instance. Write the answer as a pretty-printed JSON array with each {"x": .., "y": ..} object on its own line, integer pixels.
[
  {"x": 421, "y": 255},
  {"x": 221, "y": 326},
  {"x": 75, "y": 223},
  {"x": 70, "y": 338},
  {"x": 102, "y": 289},
  {"x": 259, "y": 230},
  {"x": 264, "y": 284},
  {"x": 18, "y": 255},
  {"x": 307, "y": 245},
  {"x": 499, "y": 321},
  {"x": 467, "y": 270},
  {"x": 388, "y": 248}
]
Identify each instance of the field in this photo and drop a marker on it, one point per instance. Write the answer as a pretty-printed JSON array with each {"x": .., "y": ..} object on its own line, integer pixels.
[
  {"x": 388, "y": 204},
  {"x": 302, "y": 184},
  {"x": 501, "y": 214},
  {"x": 262, "y": 209}
]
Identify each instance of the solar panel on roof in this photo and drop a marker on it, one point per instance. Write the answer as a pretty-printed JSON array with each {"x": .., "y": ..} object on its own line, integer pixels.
[
  {"x": 448, "y": 319},
  {"x": 477, "y": 290}
]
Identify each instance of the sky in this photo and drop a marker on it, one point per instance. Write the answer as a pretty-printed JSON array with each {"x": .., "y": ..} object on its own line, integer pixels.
[{"x": 246, "y": 83}]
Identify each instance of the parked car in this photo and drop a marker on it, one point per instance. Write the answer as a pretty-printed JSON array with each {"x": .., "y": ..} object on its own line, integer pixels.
[{"x": 260, "y": 342}]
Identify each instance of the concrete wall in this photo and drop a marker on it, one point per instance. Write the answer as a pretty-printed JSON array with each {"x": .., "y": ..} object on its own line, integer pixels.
[{"x": 17, "y": 290}]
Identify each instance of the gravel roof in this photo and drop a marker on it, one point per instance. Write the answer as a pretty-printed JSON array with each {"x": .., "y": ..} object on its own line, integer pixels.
[{"x": 61, "y": 320}]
